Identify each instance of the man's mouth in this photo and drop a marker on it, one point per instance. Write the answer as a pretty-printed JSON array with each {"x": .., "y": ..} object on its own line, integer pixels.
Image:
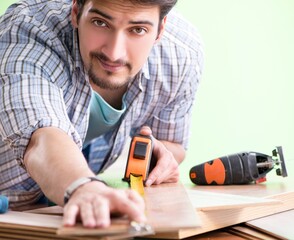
[{"x": 110, "y": 66}]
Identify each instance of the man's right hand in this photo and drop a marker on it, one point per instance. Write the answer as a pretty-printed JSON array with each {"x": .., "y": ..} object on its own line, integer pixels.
[{"x": 94, "y": 202}]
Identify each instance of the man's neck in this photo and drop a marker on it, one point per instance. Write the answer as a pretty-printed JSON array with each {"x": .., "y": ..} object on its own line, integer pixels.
[{"x": 112, "y": 97}]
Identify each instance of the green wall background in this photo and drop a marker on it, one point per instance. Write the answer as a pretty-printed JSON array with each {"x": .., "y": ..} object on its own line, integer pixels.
[{"x": 245, "y": 101}]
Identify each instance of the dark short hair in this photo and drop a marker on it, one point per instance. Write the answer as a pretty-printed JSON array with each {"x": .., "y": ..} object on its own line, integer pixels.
[{"x": 164, "y": 5}]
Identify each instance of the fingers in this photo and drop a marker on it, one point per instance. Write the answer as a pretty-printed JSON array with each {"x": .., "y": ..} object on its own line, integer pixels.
[
  {"x": 164, "y": 172},
  {"x": 137, "y": 199},
  {"x": 87, "y": 215},
  {"x": 166, "y": 169},
  {"x": 92, "y": 214},
  {"x": 145, "y": 130},
  {"x": 102, "y": 213},
  {"x": 94, "y": 208},
  {"x": 70, "y": 213},
  {"x": 130, "y": 203},
  {"x": 95, "y": 214}
]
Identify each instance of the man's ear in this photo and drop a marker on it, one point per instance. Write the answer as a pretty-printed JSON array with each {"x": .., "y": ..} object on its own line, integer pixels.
[
  {"x": 161, "y": 29},
  {"x": 74, "y": 14}
]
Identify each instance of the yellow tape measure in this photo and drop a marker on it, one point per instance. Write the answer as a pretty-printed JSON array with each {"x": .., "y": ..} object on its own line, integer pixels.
[
  {"x": 136, "y": 183},
  {"x": 139, "y": 162}
]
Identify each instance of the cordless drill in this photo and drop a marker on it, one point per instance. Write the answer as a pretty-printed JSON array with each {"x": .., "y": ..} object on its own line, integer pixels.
[{"x": 239, "y": 168}]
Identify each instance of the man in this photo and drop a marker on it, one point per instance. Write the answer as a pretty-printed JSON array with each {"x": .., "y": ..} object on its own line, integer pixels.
[{"x": 87, "y": 74}]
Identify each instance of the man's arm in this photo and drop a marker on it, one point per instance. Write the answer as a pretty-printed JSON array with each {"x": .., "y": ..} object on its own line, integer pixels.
[
  {"x": 176, "y": 149},
  {"x": 54, "y": 161}
]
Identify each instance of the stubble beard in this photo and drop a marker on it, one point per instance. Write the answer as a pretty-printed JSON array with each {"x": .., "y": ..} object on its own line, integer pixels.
[{"x": 105, "y": 83}]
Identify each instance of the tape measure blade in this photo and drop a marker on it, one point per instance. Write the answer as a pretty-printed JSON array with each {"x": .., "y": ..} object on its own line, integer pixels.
[{"x": 136, "y": 183}]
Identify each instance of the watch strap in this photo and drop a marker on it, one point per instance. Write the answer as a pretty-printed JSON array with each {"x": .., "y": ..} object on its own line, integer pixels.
[{"x": 78, "y": 183}]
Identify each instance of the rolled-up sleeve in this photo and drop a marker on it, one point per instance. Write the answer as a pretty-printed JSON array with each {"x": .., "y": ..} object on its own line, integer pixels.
[
  {"x": 173, "y": 122},
  {"x": 33, "y": 82},
  {"x": 27, "y": 103}
]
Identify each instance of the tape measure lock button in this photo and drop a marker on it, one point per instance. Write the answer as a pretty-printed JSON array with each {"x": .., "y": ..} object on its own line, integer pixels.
[{"x": 140, "y": 150}]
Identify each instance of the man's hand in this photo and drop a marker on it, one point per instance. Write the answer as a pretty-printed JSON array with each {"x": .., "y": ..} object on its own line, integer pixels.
[
  {"x": 93, "y": 203},
  {"x": 168, "y": 156}
]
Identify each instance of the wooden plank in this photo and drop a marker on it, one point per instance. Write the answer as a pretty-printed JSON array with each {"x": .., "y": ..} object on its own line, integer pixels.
[
  {"x": 274, "y": 226},
  {"x": 217, "y": 235},
  {"x": 168, "y": 207},
  {"x": 43, "y": 225},
  {"x": 248, "y": 233},
  {"x": 208, "y": 201},
  {"x": 212, "y": 220},
  {"x": 79, "y": 230},
  {"x": 280, "y": 189},
  {"x": 53, "y": 210},
  {"x": 31, "y": 221},
  {"x": 15, "y": 233}
]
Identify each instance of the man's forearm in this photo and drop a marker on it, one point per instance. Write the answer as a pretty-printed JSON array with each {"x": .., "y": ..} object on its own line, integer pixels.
[
  {"x": 54, "y": 161},
  {"x": 176, "y": 149}
]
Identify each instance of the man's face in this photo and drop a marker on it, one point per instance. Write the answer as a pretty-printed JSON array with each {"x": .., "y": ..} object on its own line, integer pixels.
[{"x": 115, "y": 38}]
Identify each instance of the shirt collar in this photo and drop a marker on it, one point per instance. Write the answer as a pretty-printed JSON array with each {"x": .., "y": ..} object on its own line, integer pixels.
[
  {"x": 78, "y": 62},
  {"x": 143, "y": 74},
  {"x": 145, "y": 70}
]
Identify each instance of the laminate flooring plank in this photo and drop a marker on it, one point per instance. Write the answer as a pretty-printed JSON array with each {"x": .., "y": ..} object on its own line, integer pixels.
[
  {"x": 249, "y": 233},
  {"x": 208, "y": 201},
  {"x": 279, "y": 225},
  {"x": 168, "y": 207},
  {"x": 217, "y": 219},
  {"x": 169, "y": 210},
  {"x": 20, "y": 223}
]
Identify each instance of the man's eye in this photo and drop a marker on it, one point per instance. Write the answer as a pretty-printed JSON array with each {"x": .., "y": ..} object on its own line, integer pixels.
[
  {"x": 139, "y": 31},
  {"x": 99, "y": 23}
]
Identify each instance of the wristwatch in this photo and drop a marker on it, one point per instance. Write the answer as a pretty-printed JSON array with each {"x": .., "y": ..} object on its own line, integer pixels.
[{"x": 78, "y": 183}]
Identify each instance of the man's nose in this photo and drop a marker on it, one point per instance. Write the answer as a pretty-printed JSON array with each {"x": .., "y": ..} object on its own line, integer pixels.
[{"x": 115, "y": 47}]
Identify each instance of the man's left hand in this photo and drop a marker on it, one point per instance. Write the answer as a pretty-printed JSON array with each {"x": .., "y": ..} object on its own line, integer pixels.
[{"x": 167, "y": 167}]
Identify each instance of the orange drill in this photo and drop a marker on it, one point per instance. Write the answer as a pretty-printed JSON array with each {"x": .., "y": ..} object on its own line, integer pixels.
[{"x": 239, "y": 168}]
